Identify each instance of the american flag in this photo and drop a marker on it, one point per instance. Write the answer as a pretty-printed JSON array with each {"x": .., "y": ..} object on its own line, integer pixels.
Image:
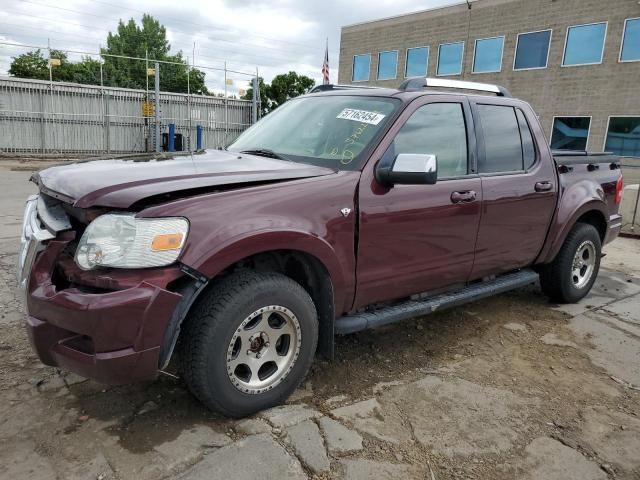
[{"x": 325, "y": 65}]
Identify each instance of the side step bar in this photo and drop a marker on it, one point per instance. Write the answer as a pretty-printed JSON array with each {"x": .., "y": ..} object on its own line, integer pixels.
[{"x": 415, "y": 308}]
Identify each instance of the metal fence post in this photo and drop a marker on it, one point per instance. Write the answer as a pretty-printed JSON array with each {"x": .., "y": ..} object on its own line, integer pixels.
[
  {"x": 226, "y": 103},
  {"x": 254, "y": 100},
  {"x": 157, "y": 103},
  {"x": 635, "y": 211},
  {"x": 43, "y": 128},
  {"x": 147, "y": 133},
  {"x": 105, "y": 114}
]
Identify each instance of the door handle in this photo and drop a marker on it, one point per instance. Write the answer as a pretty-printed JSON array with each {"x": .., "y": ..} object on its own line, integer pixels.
[
  {"x": 463, "y": 197},
  {"x": 543, "y": 186}
]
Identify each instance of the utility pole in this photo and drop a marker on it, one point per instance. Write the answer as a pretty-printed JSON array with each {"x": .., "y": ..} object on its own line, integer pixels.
[{"x": 157, "y": 108}]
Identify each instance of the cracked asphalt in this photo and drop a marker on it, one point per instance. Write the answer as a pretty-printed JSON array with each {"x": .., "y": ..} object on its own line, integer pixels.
[{"x": 508, "y": 387}]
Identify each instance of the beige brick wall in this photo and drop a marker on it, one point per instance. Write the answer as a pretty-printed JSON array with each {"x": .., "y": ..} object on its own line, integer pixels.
[{"x": 611, "y": 88}]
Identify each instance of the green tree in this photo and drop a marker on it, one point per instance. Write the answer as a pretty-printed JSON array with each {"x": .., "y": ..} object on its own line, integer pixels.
[
  {"x": 283, "y": 87},
  {"x": 87, "y": 71},
  {"x": 35, "y": 65},
  {"x": 132, "y": 40},
  {"x": 286, "y": 86},
  {"x": 264, "y": 107},
  {"x": 30, "y": 65}
]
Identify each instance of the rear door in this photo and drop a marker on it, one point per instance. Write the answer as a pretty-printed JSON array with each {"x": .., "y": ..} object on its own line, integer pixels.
[
  {"x": 416, "y": 238},
  {"x": 519, "y": 187}
]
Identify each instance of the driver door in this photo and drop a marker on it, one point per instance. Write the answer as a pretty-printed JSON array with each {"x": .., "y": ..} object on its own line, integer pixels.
[{"x": 419, "y": 238}]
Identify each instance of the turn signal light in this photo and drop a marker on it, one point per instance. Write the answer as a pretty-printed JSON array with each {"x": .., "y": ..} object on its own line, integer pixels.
[
  {"x": 619, "y": 188},
  {"x": 168, "y": 241}
]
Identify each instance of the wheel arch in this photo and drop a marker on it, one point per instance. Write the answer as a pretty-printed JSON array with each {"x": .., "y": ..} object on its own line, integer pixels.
[{"x": 592, "y": 212}]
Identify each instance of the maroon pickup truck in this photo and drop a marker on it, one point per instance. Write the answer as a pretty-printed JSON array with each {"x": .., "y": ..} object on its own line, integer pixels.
[{"x": 345, "y": 209}]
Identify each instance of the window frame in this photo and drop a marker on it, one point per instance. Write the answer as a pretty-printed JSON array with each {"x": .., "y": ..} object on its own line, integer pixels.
[
  {"x": 606, "y": 132},
  {"x": 353, "y": 64},
  {"x": 566, "y": 41},
  {"x": 406, "y": 57},
  {"x": 590, "y": 117},
  {"x": 461, "y": 60},
  {"x": 475, "y": 47},
  {"x": 515, "y": 52},
  {"x": 395, "y": 75},
  {"x": 624, "y": 32}
]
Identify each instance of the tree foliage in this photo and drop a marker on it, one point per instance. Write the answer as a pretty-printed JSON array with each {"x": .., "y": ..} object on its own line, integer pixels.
[
  {"x": 129, "y": 40},
  {"x": 283, "y": 87},
  {"x": 35, "y": 65}
]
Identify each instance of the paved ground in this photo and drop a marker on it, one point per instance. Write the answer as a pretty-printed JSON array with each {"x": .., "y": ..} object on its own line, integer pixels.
[{"x": 509, "y": 387}]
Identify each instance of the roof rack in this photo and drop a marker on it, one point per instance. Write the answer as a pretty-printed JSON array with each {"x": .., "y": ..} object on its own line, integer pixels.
[
  {"x": 324, "y": 88},
  {"x": 418, "y": 83}
]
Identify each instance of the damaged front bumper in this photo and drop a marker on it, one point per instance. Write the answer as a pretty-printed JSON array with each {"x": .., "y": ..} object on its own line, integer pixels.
[{"x": 106, "y": 325}]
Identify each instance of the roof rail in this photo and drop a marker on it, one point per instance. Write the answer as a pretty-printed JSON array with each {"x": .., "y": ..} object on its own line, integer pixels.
[
  {"x": 324, "y": 88},
  {"x": 418, "y": 83}
]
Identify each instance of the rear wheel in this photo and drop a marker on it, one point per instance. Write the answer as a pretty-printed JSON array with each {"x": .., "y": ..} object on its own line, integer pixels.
[
  {"x": 574, "y": 270},
  {"x": 249, "y": 343}
]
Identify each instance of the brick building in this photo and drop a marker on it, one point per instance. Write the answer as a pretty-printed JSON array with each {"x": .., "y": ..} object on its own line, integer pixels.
[{"x": 576, "y": 61}]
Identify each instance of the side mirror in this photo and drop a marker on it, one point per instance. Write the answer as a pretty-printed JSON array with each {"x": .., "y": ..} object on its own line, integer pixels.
[{"x": 409, "y": 169}]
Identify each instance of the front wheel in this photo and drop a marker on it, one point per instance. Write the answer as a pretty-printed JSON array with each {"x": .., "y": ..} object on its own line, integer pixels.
[
  {"x": 249, "y": 342},
  {"x": 574, "y": 270}
]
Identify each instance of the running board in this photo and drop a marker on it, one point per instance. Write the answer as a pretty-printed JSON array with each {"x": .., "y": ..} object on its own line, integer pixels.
[{"x": 416, "y": 308}]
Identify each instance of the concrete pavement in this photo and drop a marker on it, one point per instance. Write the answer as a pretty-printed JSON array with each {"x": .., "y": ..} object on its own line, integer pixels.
[{"x": 508, "y": 387}]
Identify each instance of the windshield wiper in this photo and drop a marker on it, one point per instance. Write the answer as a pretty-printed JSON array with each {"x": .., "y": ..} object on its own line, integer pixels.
[{"x": 265, "y": 152}]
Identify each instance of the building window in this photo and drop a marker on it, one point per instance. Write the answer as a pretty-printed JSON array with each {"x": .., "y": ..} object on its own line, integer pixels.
[
  {"x": 630, "y": 50},
  {"x": 570, "y": 133},
  {"x": 417, "y": 62},
  {"x": 487, "y": 56},
  {"x": 387, "y": 65},
  {"x": 532, "y": 50},
  {"x": 623, "y": 136},
  {"x": 450, "y": 58},
  {"x": 584, "y": 44},
  {"x": 361, "y": 65}
]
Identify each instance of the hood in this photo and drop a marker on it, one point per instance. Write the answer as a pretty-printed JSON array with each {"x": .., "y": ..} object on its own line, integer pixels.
[{"x": 119, "y": 183}]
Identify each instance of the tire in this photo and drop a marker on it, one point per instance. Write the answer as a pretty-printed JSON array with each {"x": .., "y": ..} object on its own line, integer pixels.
[
  {"x": 560, "y": 280},
  {"x": 249, "y": 342}
]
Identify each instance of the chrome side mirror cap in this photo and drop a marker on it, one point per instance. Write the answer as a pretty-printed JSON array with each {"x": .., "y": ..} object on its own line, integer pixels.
[{"x": 409, "y": 169}]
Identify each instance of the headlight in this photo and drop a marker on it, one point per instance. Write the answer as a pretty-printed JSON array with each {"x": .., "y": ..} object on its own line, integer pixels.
[{"x": 124, "y": 241}]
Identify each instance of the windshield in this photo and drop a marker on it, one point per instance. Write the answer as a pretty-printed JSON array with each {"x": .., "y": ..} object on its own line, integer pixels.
[{"x": 328, "y": 131}]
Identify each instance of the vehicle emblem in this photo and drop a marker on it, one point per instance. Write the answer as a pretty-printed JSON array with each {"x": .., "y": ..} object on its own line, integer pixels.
[{"x": 345, "y": 212}]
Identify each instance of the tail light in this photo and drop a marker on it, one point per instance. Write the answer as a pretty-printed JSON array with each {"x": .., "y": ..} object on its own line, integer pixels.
[{"x": 619, "y": 188}]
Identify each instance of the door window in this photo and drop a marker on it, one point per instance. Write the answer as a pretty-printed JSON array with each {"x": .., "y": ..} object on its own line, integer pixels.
[
  {"x": 437, "y": 129},
  {"x": 508, "y": 143}
]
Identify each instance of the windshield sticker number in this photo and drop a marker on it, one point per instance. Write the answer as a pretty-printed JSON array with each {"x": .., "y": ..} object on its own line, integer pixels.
[{"x": 363, "y": 116}]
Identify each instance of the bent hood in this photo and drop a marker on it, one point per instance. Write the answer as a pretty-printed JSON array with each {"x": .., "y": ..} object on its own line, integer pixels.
[{"x": 119, "y": 183}]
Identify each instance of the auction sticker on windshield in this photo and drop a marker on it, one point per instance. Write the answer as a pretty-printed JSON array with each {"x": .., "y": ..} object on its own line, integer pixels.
[{"x": 363, "y": 116}]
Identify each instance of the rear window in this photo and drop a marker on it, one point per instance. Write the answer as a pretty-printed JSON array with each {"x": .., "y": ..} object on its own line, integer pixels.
[{"x": 508, "y": 142}]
